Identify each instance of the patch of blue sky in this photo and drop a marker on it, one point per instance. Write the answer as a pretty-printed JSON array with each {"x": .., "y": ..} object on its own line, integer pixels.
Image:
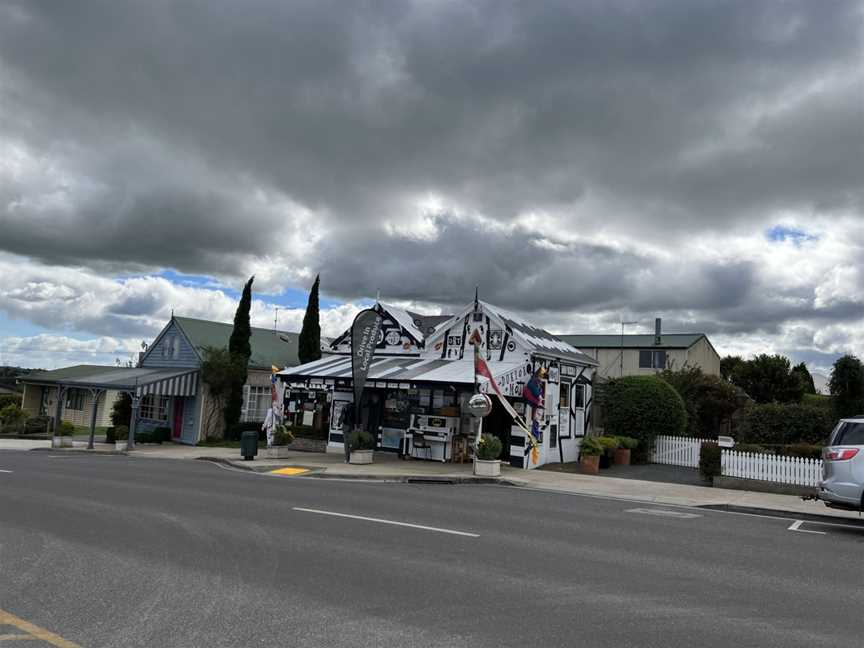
[
  {"x": 19, "y": 328},
  {"x": 795, "y": 235}
]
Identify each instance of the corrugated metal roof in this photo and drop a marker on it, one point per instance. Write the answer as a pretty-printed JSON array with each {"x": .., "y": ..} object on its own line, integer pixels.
[
  {"x": 162, "y": 381},
  {"x": 269, "y": 347},
  {"x": 667, "y": 341}
]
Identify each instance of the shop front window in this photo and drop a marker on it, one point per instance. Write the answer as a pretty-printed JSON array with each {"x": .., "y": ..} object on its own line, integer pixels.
[{"x": 154, "y": 407}]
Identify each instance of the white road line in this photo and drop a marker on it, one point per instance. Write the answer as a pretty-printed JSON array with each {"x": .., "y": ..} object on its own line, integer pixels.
[
  {"x": 5, "y": 471},
  {"x": 796, "y": 526},
  {"x": 380, "y": 521},
  {"x": 664, "y": 513}
]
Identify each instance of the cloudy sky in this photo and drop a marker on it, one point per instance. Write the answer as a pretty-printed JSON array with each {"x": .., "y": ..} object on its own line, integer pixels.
[{"x": 580, "y": 161}]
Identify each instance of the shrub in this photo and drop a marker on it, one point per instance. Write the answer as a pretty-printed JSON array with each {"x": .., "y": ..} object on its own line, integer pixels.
[
  {"x": 110, "y": 435},
  {"x": 489, "y": 447},
  {"x": 162, "y": 434},
  {"x": 643, "y": 407},
  {"x": 710, "y": 401},
  {"x": 362, "y": 440},
  {"x": 65, "y": 429},
  {"x": 609, "y": 443},
  {"x": 629, "y": 443},
  {"x": 36, "y": 425},
  {"x": 9, "y": 399},
  {"x": 121, "y": 411},
  {"x": 282, "y": 435},
  {"x": 144, "y": 436},
  {"x": 591, "y": 447},
  {"x": 805, "y": 450},
  {"x": 752, "y": 448},
  {"x": 779, "y": 424},
  {"x": 121, "y": 432},
  {"x": 12, "y": 416},
  {"x": 709, "y": 460}
]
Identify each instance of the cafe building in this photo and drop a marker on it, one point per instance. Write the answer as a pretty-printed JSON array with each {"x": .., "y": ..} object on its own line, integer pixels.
[{"x": 422, "y": 376}]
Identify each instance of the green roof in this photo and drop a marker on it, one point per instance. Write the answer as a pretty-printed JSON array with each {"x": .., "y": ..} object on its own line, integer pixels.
[
  {"x": 66, "y": 373},
  {"x": 667, "y": 341},
  {"x": 269, "y": 347}
]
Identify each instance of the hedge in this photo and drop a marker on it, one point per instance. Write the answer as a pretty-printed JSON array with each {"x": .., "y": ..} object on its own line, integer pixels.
[
  {"x": 710, "y": 455},
  {"x": 642, "y": 407},
  {"x": 783, "y": 424}
]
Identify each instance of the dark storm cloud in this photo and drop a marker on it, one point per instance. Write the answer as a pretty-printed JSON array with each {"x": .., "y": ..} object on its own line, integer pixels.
[{"x": 190, "y": 136}]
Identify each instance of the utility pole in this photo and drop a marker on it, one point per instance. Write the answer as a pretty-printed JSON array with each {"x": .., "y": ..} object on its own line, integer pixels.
[{"x": 623, "y": 324}]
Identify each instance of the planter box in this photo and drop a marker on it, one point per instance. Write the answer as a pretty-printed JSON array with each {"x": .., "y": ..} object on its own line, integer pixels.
[
  {"x": 61, "y": 442},
  {"x": 121, "y": 446},
  {"x": 487, "y": 468},
  {"x": 589, "y": 465},
  {"x": 605, "y": 461},
  {"x": 276, "y": 452},
  {"x": 361, "y": 457},
  {"x": 622, "y": 457}
]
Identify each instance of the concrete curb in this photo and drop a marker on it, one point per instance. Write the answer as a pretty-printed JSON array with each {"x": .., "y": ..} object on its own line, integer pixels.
[
  {"x": 82, "y": 451},
  {"x": 788, "y": 515}
]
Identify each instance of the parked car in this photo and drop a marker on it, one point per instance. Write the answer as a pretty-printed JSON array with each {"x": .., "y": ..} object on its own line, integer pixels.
[{"x": 842, "y": 484}]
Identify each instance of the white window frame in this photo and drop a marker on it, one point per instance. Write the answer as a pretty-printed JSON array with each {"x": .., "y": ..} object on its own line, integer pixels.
[
  {"x": 154, "y": 407},
  {"x": 257, "y": 399}
]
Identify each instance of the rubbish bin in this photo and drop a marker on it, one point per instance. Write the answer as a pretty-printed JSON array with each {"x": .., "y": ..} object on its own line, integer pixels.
[{"x": 249, "y": 445}]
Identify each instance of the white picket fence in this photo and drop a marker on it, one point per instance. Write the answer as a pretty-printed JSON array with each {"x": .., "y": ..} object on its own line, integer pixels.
[
  {"x": 771, "y": 468},
  {"x": 677, "y": 451}
]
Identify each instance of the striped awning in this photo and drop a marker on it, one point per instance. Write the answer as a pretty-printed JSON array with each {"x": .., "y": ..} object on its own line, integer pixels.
[
  {"x": 183, "y": 384},
  {"x": 396, "y": 372}
]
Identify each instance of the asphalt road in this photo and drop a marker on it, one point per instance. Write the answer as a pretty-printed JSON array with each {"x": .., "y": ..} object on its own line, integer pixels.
[{"x": 116, "y": 551}]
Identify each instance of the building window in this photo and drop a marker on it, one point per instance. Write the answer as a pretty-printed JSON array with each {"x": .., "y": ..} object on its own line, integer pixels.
[
  {"x": 75, "y": 399},
  {"x": 578, "y": 396},
  {"x": 564, "y": 395},
  {"x": 176, "y": 347},
  {"x": 154, "y": 407},
  {"x": 651, "y": 359},
  {"x": 258, "y": 401}
]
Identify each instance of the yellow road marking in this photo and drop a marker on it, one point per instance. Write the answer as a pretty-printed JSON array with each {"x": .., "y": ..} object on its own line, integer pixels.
[
  {"x": 289, "y": 470},
  {"x": 18, "y": 637},
  {"x": 34, "y": 632}
]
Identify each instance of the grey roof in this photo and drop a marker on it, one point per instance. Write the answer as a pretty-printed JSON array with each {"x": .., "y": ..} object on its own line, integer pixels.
[
  {"x": 641, "y": 341},
  {"x": 117, "y": 378},
  {"x": 427, "y": 323},
  {"x": 269, "y": 347}
]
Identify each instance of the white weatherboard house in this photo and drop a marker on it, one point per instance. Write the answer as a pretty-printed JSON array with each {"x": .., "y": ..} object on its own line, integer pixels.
[{"x": 422, "y": 376}]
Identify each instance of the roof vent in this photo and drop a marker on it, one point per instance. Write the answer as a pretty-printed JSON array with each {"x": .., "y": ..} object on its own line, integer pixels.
[{"x": 657, "y": 328}]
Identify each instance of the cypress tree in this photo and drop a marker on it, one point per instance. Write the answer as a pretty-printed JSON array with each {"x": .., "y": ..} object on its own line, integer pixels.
[
  {"x": 240, "y": 350},
  {"x": 309, "y": 345}
]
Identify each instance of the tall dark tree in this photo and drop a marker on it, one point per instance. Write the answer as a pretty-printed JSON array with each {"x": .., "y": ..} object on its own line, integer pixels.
[
  {"x": 768, "y": 379},
  {"x": 847, "y": 385},
  {"x": 309, "y": 345},
  {"x": 240, "y": 350},
  {"x": 803, "y": 374},
  {"x": 728, "y": 366}
]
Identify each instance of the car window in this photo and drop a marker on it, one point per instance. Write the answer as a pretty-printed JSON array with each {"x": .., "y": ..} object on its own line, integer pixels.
[{"x": 849, "y": 434}]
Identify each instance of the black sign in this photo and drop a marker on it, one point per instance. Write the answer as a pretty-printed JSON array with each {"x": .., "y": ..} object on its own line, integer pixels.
[{"x": 364, "y": 338}]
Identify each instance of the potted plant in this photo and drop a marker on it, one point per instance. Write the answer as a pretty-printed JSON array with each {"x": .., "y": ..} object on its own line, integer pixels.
[
  {"x": 486, "y": 462},
  {"x": 282, "y": 437},
  {"x": 63, "y": 435},
  {"x": 622, "y": 453},
  {"x": 121, "y": 437},
  {"x": 589, "y": 453},
  {"x": 362, "y": 445},
  {"x": 609, "y": 445}
]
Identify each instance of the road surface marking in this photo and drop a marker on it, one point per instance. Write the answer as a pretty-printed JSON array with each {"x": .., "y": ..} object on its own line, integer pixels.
[
  {"x": 18, "y": 637},
  {"x": 35, "y": 632},
  {"x": 796, "y": 526},
  {"x": 664, "y": 513},
  {"x": 5, "y": 471},
  {"x": 289, "y": 470},
  {"x": 380, "y": 521}
]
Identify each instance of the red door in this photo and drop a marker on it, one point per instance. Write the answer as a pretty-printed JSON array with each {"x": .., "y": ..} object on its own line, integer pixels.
[{"x": 177, "y": 428}]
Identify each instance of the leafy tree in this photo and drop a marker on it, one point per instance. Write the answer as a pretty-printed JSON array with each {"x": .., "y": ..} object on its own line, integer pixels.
[
  {"x": 309, "y": 345},
  {"x": 847, "y": 385},
  {"x": 784, "y": 423},
  {"x": 220, "y": 372},
  {"x": 768, "y": 379},
  {"x": 728, "y": 365},
  {"x": 121, "y": 411},
  {"x": 642, "y": 407},
  {"x": 240, "y": 351},
  {"x": 803, "y": 374},
  {"x": 710, "y": 401}
]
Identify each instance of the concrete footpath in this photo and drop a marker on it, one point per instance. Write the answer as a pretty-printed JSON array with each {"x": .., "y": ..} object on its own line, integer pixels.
[{"x": 389, "y": 467}]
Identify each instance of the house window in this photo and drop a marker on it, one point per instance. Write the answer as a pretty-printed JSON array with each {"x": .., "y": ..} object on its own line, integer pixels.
[
  {"x": 258, "y": 401},
  {"x": 651, "y": 359},
  {"x": 578, "y": 396},
  {"x": 75, "y": 399},
  {"x": 175, "y": 347},
  {"x": 155, "y": 407},
  {"x": 564, "y": 395}
]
